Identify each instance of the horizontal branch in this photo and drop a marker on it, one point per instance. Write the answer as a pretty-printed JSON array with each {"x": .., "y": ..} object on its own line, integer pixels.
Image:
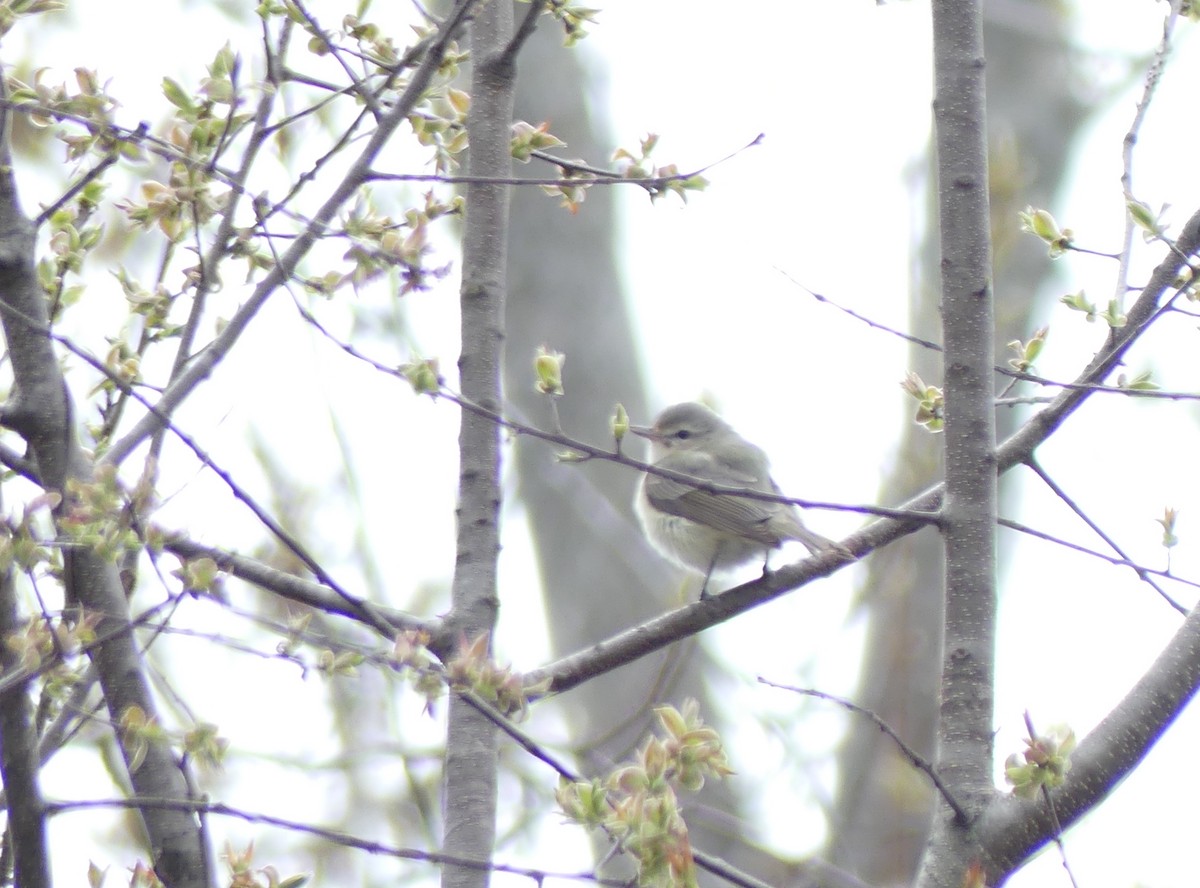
[{"x": 330, "y": 835}]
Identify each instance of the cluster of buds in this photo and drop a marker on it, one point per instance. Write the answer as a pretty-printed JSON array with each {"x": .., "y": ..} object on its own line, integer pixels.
[{"x": 637, "y": 803}]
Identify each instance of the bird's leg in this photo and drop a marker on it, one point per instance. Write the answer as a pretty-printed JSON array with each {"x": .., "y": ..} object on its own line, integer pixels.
[
  {"x": 712, "y": 565},
  {"x": 766, "y": 562}
]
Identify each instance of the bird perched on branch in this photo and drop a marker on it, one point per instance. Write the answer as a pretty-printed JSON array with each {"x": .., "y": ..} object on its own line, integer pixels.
[{"x": 703, "y": 529}]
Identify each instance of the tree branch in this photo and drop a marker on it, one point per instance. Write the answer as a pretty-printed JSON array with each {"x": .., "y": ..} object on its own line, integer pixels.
[
  {"x": 1013, "y": 829},
  {"x": 471, "y": 739},
  {"x": 916, "y": 760},
  {"x": 306, "y": 592},
  {"x": 19, "y": 761},
  {"x": 39, "y": 409},
  {"x": 205, "y": 361},
  {"x": 964, "y": 751}
]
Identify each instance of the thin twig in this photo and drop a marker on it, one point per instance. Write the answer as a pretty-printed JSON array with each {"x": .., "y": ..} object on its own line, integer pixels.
[
  {"x": 523, "y": 33},
  {"x": 917, "y": 760},
  {"x": 355, "y": 83},
  {"x": 580, "y": 451},
  {"x": 1084, "y": 550},
  {"x": 1058, "y": 840},
  {"x": 82, "y": 183},
  {"x": 330, "y": 835},
  {"x": 1037, "y": 469},
  {"x": 820, "y": 297},
  {"x": 1153, "y": 75}
]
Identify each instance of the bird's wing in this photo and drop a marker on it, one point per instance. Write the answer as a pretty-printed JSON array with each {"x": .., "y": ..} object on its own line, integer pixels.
[{"x": 727, "y": 513}]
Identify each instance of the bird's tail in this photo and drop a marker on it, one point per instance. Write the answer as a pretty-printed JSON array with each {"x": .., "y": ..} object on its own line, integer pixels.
[{"x": 817, "y": 544}]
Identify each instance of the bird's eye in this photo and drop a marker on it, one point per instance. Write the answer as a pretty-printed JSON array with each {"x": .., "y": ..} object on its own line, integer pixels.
[{"x": 683, "y": 434}]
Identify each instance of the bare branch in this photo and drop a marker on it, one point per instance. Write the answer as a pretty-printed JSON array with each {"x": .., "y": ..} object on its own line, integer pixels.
[
  {"x": 1143, "y": 575},
  {"x": 471, "y": 739},
  {"x": 1139, "y": 569},
  {"x": 306, "y": 592},
  {"x": 1149, "y": 88},
  {"x": 1013, "y": 829},
  {"x": 26, "y": 832},
  {"x": 917, "y": 761},
  {"x": 333, "y": 836}
]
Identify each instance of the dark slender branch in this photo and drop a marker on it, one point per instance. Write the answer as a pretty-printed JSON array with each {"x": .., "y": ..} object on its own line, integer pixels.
[
  {"x": 330, "y": 835},
  {"x": 301, "y": 591},
  {"x": 1037, "y": 469},
  {"x": 678, "y": 624},
  {"x": 1139, "y": 569},
  {"x": 364, "y": 607},
  {"x": 523, "y": 32},
  {"x": 650, "y": 182},
  {"x": 917, "y": 761},
  {"x": 581, "y": 450},
  {"x": 356, "y": 85},
  {"x": 1097, "y": 388},
  {"x": 875, "y": 325},
  {"x": 578, "y": 167},
  {"x": 83, "y": 181},
  {"x": 585, "y": 175}
]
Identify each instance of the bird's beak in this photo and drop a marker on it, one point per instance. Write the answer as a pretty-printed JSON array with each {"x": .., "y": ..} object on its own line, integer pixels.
[{"x": 645, "y": 432}]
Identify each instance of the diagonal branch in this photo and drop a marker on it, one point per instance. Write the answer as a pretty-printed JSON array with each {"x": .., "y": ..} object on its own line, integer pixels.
[
  {"x": 1083, "y": 516},
  {"x": 203, "y": 364},
  {"x": 1013, "y": 829},
  {"x": 917, "y": 761},
  {"x": 660, "y": 632},
  {"x": 306, "y": 592}
]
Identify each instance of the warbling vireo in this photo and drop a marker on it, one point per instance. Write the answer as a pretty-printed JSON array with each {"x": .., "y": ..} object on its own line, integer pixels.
[{"x": 702, "y": 530}]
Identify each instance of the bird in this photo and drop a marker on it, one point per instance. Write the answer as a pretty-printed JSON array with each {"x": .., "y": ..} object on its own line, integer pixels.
[{"x": 703, "y": 530}]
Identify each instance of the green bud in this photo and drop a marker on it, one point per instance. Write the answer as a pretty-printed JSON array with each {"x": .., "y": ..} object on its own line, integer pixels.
[
  {"x": 548, "y": 367},
  {"x": 1143, "y": 216},
  {"x": 423, "y": 376},
  {"x": 1027, "y": 352},
  {"x": 620, "y": 423},
  {"x": 1079, "y": 302},
  {"x": 1041, "y": 224},
  {"x": 1114, "y": 316}
]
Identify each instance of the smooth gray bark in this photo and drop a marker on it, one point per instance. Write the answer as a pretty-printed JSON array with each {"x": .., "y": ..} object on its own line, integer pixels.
[{"x": 471, "y": 741}]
